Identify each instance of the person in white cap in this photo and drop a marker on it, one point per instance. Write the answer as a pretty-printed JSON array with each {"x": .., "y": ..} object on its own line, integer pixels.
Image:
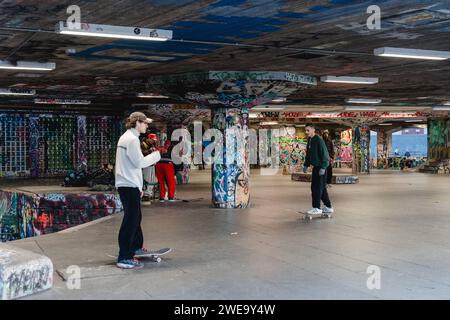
[{"x": 129, "y": 181}]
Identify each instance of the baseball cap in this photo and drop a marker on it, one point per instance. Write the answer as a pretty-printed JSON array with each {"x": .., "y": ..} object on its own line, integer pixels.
[
  {"x": 152, "y": 136},
  {"x": 139, "y": 116}
]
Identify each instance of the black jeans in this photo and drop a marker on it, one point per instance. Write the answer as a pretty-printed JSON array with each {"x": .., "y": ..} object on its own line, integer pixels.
[
  {"x": 329, "y": 173},
  {"x": 318, "y": 189},
  {"x": 130, "y": 234}
]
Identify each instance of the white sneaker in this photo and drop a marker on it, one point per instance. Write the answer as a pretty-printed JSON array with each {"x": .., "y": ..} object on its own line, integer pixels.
[
  {"x": 314, "y": 211},
  {"x": 327, "y": 210}
]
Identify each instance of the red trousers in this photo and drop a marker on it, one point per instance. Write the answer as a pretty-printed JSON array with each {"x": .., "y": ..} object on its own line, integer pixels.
[{"x": 165, "y": 173}]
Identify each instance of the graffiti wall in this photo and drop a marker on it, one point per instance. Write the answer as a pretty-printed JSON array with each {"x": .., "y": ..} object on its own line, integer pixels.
[
  {"x": 27, "y": 215},
  {"x": 14, "y": 145},
  {"x": 344, "y": 149},
  {"x": 230, "y": 182},
  {"x": 292, "y": 149},
  {"x": 438, "y": 139},
  {"x": 49, "y": 146}
]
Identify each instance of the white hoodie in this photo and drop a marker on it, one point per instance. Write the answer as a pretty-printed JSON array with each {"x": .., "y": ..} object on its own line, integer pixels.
[{"x": 130, "y": 161}]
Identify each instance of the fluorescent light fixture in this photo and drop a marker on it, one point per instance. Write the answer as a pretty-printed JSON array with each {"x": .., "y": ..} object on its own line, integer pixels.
[
  {"x": 109, "y": 31},
  {"x": 268, "y": 108},
  {"x": 446, "y": 103},
  {"x": 441, "y": 108},
  {"x": 253, "y": 115},
  {"x": 368, "y": 101},
  {"x": 414, "y": 121},
  {"x": 300, "y": 125},
  {"x": 269, "y": 123},
  {"x": 17, "y": 92},
  {"x": 27, "y": 65},
  {"x": 411, "y": 53},
  {"x": 360, "y": 108},
  {"x": 385, "y": 124},
  {"x": 356, "y": 80},
  {"x": 279, "y": 100},
  {"x": 151, "y": 95},
  {"x": 60, "y": 101}
]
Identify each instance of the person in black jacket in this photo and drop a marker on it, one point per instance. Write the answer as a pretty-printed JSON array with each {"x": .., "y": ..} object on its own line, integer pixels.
[
  {"x": 330, "y": 148},
  {"x": 317, "y": 156}
]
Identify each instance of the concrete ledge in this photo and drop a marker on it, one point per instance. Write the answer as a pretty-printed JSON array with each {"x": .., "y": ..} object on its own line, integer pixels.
[
  {"x": 23, "y": 272},
  {"x": 337, "y": 178}
]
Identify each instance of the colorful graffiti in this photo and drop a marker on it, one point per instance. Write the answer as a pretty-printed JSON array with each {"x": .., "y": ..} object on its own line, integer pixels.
[
  {"x": 438, "y": 139},
  {"x": 361, "y": 149},
  {"x": 81, "y": 164},
  {"x": 344, "y": 146},
  {"x": 230, "y": 181},
  {"x": 43, "y": 145},
  {"x": 14, "y": 145},
  {"x": 34, "y": 146},
  {"x": 292, "y": 149},
  {"x": 232, "y": 89},
  {"x": 27, "y": 215}
]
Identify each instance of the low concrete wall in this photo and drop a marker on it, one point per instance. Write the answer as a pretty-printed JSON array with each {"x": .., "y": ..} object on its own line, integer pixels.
[
  {"x": 24, "y": 215},
  {"x": 336, "y": 179},
  {"x": 23, "y": 272}
]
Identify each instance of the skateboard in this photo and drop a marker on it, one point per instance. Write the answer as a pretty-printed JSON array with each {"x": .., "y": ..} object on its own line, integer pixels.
[
  {"x": 307, "y": 216},
  {"x": 155, "y": 255}
]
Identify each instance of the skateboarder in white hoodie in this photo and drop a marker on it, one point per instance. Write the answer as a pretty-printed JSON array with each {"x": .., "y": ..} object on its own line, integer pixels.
[{"x": 129, "y": 181}]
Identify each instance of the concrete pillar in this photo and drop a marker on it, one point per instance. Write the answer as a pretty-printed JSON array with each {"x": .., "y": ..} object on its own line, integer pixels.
[
  {"x": 81, "y": 144},
  {"x": 438, "y": 139},
  {"x": 384, "y": 146},
  {"x": 230, "y": 179},
  {"x": 361, "y": 149}
]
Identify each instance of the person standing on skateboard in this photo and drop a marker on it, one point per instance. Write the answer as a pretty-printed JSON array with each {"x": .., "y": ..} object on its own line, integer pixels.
[
  {"x": 129, "y": 181},
  {"x": 317, "y": 156}
]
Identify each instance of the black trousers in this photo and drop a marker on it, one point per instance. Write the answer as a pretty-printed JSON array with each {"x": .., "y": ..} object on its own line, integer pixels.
[
  {"x": 329, "y": 174},
  {"x": 130, "y": 234},
  {"x": 319, "y": 190}
]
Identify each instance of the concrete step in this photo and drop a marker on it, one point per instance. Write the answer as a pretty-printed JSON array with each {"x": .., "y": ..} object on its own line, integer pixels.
[
  {"x": 338, "y": 178},
  {"x": 23, "y": 272}
]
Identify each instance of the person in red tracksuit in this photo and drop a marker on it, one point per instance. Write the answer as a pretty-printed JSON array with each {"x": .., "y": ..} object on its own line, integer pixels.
[{"x": 165, "y": 173}]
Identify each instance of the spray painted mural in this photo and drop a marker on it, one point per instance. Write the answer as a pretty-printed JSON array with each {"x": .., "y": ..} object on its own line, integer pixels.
[
  {"x": 14, "y": 145},
  {"x": 43, "y": 145},
  {"x": 438, "y": 139},
  {"x": 292, "y": 149},
  {"x": 230, "y": 182},
  {"x": 361, "y": 149},
  {"x": 27, "y": 215},
  {"x": 344, "y": 147},
  {"x": 231, "y": 88}
]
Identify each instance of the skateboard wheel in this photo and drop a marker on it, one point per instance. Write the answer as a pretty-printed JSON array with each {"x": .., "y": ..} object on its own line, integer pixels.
[{"x": 157, "y": 259}]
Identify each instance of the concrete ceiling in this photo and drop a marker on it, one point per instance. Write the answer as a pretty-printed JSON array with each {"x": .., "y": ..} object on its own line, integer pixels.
[{"x": 323, "y": 37}]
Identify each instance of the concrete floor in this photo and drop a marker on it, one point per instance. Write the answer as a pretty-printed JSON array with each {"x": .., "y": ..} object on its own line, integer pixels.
[{"x": 397, "y": 221}]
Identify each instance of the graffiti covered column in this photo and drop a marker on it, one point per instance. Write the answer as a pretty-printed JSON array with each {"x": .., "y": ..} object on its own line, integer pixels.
[
  {"x": 361, "y": 149},
  {"x": 438, "y": 139},
  {"x": 230, "y": 179},
  {"x": 384, "y": 145}
]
